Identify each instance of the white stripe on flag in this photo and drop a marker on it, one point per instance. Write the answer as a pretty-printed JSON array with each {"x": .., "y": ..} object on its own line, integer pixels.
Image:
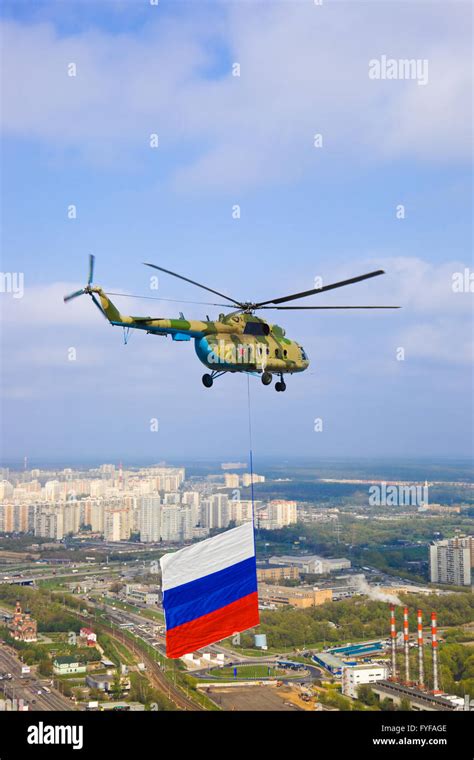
[{"x": 207, "y": 556}]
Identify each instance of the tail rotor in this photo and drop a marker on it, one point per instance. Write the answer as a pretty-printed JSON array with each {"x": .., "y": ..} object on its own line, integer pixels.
[{"x": 88, "y": 288}]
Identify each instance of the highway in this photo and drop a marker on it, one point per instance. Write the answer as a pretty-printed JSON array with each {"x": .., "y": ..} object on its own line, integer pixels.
[{"x": 27, "y": 687}]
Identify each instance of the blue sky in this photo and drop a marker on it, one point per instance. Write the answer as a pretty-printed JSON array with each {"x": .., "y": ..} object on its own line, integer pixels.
[{"x": 305, "y": 212}]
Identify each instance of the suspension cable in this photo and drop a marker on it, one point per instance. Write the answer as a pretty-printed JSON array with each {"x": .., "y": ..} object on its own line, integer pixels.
[{"x": 251, "y": 457}]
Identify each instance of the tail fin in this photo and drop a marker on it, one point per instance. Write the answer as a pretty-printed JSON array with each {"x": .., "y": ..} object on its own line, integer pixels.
[{"x": 110, "y": 311}]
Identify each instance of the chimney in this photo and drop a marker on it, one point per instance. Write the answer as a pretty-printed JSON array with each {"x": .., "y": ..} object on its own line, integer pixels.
[
  {"x": 421, "y": 675},
  {"x": 405, "y": 645},
  {"x": 434, "y": 644},
  {"x": 393, "y": 635}
]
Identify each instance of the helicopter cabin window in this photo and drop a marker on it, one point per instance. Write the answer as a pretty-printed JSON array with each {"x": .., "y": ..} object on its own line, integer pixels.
[{"x": 256, "y": 328}]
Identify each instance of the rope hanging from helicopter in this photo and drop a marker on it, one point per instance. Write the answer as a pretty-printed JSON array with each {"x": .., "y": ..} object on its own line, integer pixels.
[{"x": 249, "y": 409}]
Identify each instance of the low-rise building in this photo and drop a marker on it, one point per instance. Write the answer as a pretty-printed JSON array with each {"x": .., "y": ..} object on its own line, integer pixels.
[
  {"x": 301, "y": 597},
  {"x": 329, "y": 662},
  {"x": 277, "y": 573},
  {"x": 104, "y": 681},
  {"x": 312, "y": 563},
  {"x": 87, "y": 637},
  {"x": 63, "y": 666},
  {"x": 148, "y": 595},
  {"x": 354, "y": 676}
]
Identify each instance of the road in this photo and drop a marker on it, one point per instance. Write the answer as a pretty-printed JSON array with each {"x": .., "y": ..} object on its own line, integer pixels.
[
  {"x": 27, "y": 688},
  {"x": 146, "y": 634},
  {"x": 154, "y": 671},
  {"x": 147, "y": 630}
]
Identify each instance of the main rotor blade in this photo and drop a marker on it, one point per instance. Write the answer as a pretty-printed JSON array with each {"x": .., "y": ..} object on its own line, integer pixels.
[
  {"x": 186, "y": 279},
  {"x": 91, "y": 269},
  {"x": 74, "y": 295},
  {"x": 334, "y": 285},
  {"x": 172, "y": 300},
  {"x": 288, "y": 308}
]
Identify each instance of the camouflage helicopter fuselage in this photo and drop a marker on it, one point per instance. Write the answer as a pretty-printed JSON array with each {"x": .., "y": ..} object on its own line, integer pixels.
[{"x": 235, "y": 342}]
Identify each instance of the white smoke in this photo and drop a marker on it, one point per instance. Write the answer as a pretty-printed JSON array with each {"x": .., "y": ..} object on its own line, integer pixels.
[{"x": 373, "y": 592}]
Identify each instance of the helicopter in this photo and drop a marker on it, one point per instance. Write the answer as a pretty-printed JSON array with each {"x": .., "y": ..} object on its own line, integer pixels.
[{"x": 238, "y": 341}]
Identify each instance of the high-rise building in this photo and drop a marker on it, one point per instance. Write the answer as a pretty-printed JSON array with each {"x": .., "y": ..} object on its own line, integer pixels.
[
  {"x": 97, "y": 509},
  {"x": 116, "y": 523},
  {"x": 177, "y": 523},
  {"x": 6, "y": 489},
  {"x": 231, "y": 480},
  {"x": 72, "y": 516},
  {"x": 240, "y": 510},
  {"x": 150, "y": 519},
  {"x": 450, "y": 562},
  {"x": 277, "y": 514},
  {"x": 172, "y": 498},
  {"x": 53, "y": 490},
  {"x": 215, "y": 512},
  {"x": 192, "y": 499},
  {"x": 49, "y": 523},
  {"x": 247, "y": 478}
]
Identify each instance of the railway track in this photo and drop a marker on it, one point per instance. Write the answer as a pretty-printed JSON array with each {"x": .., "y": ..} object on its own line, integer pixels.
[{"x": 157, "y": 676}]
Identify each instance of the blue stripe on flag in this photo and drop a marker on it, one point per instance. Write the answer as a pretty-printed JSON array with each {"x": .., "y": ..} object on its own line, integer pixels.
[{"x": 204, "y": 595}]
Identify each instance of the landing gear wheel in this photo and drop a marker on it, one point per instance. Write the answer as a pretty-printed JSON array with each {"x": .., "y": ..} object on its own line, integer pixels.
[
  {"x": 280, "y": 386},
  {"x": 266, "y": 378},
  {"x": 207, "y": 381}
]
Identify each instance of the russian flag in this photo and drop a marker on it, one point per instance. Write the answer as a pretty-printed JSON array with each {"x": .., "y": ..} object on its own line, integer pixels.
[{"x": 210, "y": 590}]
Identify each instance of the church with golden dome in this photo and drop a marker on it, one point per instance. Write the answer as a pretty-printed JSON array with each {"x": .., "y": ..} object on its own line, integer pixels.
[{"x": 22, "y": 626}]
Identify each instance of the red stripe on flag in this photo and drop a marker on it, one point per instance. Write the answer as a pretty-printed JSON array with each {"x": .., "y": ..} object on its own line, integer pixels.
[{"x": 215, "y": 626}]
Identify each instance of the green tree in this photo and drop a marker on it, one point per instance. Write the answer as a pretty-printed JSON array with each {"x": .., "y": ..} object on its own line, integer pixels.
[
  {"x": 45, "y": 667},
  {"x": 366, "y": 695}
]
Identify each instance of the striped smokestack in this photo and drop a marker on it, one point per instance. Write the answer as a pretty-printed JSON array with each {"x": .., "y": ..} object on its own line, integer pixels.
[
  {"x": 393, "y": 636},
  {"x": 421, "y": 675},
  {"x": 405, "y": 645},
  {"x": 434, "y": 644}
]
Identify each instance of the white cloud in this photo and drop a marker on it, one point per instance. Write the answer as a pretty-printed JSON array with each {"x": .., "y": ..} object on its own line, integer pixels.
[
  {"x": 304, "y": 69},
  {"x": 43, "y": 305},
  {"x": 422, "y": 286},
  {"x": 441, "y": 340}
]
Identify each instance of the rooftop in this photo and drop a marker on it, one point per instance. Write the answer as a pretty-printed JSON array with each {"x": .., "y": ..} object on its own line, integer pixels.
[{"x": 67, "y": 660}]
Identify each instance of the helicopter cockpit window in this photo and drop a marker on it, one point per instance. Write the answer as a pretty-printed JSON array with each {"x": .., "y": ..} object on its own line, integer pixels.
[
  {"x": 256, "y": 328},
  {"x": 303, "y": 354}
]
